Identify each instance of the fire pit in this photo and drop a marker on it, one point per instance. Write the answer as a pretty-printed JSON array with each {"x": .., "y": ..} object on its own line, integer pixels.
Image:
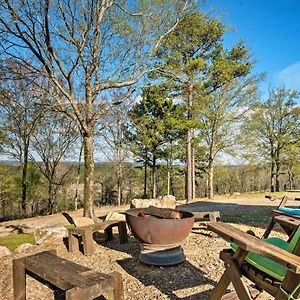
[{"x": 160, "y": 238}]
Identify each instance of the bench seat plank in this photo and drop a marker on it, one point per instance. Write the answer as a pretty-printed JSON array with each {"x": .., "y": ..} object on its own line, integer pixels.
[{"x": 78, "y": 281}]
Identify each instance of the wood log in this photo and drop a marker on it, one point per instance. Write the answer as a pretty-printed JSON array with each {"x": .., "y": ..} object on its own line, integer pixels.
[{"x": 162, "y": 213}]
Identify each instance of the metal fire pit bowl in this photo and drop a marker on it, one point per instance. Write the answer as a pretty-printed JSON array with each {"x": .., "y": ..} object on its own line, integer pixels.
[{"x": 160, "y": 239}]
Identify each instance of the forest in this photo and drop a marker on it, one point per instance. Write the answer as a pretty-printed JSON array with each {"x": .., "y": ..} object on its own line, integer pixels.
[{"x": 102, "y": 102}]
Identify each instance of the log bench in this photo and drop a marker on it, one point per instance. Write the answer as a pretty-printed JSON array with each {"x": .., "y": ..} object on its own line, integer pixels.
[
  {"x": 78, "y": 282},
  {"x": 86, "y": 232},
  {"x": 211, "y": 216}
]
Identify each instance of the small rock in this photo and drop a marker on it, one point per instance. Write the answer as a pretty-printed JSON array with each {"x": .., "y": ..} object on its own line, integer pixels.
[
  {"x": 162, "y": 202},
  {"x": 23, "y": 247},
  {"x": 115, "y": 217},
  {"x": 4, "y": 251},
  {"x": 43, "y": 233}
]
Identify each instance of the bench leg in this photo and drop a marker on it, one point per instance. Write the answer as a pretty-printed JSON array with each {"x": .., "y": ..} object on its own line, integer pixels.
[
  {"x": 19, "y": 279},
  {"x": 108, "y": 234},
  {"x": 117, "y": 293},
  {"x": 74, "y": 294},
  {"x": 87, "y": 240},
  {"x": 73, "y": 241},
  {"x": 123, "y": 236},
  {"x": 214, "y": 216}
]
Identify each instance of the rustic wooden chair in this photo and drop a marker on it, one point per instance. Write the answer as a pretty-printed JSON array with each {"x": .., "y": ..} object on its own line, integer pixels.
[{"x": 272, "y": 264}]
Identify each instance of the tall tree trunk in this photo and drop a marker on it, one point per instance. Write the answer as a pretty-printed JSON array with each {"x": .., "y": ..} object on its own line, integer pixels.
[
  {"x": 190, "y": 177},
  {"x": 154, "y": 177},
  {"x": 119, "y": 182},
  {"x": 145, "y": 180},
  {"x": 277, "y": 174},
  {"x": 273, "y": 165},
  {"x": 168, "y": 181},
  {"x": 24, "y": 181},
  {"x": 193, "y": 169},
  {"x": 78, "y": 178},
  {"x": 119, "y": 162},
  {"x": 210, "y": 180},
  {"x": 51, "y": 196},
  {"x": 290, "y": 179},
  {"x": 88, "y": 175},
  {"x": 272, "y": 176}
]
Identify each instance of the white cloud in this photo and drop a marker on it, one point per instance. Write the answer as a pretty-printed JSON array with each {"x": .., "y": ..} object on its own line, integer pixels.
[{"x": 289, "y": 76}]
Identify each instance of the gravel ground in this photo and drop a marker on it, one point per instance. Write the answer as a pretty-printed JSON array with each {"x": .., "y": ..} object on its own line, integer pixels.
[{"x": 192, "y": 279}]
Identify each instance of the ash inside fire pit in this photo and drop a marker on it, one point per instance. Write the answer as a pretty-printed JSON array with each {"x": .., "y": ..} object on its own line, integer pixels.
[{"x": 160, "y": 233}]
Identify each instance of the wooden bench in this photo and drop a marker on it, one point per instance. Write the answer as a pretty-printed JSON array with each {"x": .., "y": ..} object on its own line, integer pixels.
[
  {"x": 211, "y": 216},
  {"x": 86, "y": 232},
  {"x": 78, "y": 282}
]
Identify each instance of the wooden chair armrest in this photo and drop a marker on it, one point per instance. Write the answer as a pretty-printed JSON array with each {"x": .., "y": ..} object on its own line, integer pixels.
[{"x": 253, "y": 244}]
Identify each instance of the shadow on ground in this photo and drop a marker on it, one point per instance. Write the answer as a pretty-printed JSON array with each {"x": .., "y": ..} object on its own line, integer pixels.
[
  {"x": 254, "y": 215},
  {"x": 168, "y": 279}
]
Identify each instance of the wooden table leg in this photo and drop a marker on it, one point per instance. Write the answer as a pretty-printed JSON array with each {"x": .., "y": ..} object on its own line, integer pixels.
[
  {"x": 74, "y": 294},
  {"x": 123, "y": 236},
  {"x": 19, "y": 279},
  {"x": 117, "y": 293},
  {"x": 87, "y": 241},
  {"x": 73, "y": 241},
  {"x": 108, "y": 234}
]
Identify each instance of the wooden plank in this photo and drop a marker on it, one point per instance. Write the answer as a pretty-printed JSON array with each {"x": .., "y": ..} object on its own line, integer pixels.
[
  {"x": 58, "y": 271},
  {"x": 75, "y": 294},
  {"x": 88, "y": 241},
  {"x": 290, "y": 282},
  {"x": 212, "y": 216},
  {"x": 287, "y": 220},
  {"x": 73, "y": 241},
  {"x": 103, "y": 225},
  {"x": 79, "y": 282},
  {"x": 123, "y": 236},
  {"x": 97, "y": 284},
  {"x": 282, "y": 213},
  {"x": 255, "y": 245},
  {"x": 264, "y": 285},
  {"x": 236, "y": 278},
  {"x": 108, "y": 233},
  {"x": 118, "y": 293},
  {"x": 19, "y": 279},
  {"x": 164, "y": 213}
]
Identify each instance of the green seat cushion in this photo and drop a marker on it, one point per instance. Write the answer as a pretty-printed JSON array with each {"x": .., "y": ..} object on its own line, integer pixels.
[{"x": 265, "y": 264}]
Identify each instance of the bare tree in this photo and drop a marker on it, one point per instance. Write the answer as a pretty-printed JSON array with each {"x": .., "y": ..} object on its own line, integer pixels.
[
  {"x": 272, "y": 128},
  {"x": 87, "y": 48},
  {"x": 112, "y": 146},
  {"x": 221, "y": 113},
  {"x": 20, "y": 117},
  {"x": 53, "y": 140}
]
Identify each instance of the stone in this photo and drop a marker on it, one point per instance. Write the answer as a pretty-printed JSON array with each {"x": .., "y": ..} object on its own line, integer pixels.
[
  {"x": 115, "y": 217},
  {"x": 83, "y": 221},
  {"x": 23, "y": 247},
  {"x": 4, "y": 251},
  {"x": 43, "y": 233},
  {"x": 168, "y": 201}
]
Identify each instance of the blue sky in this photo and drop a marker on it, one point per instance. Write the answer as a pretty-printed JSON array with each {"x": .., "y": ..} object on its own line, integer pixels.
[{"x": 271, "y": 30}]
